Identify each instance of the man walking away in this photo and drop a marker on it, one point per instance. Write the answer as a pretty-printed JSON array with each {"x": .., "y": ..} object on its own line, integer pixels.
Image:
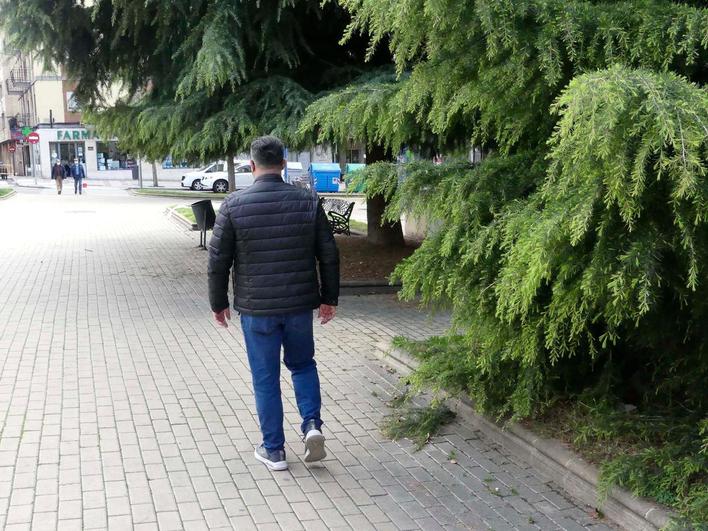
[
  {"x": 58, "y": 175},
  {"x": 274, "y": 235},
  {"x": 78, "y": 173}
]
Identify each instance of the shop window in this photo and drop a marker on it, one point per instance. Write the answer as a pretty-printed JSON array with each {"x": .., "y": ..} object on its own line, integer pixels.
[
  {"x": 109, "y": 157},
  {"x": 66, "y": 152}
]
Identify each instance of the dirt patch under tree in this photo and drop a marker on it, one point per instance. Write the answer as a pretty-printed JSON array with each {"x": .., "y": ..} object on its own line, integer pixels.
[{"x": 361, "y": 260}]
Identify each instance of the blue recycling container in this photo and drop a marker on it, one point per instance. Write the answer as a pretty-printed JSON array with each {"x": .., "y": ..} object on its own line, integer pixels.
[{"x": 325, "y": 176}]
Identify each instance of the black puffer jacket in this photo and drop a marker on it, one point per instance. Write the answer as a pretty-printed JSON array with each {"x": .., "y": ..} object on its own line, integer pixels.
[{"x": 274, "y": 235}]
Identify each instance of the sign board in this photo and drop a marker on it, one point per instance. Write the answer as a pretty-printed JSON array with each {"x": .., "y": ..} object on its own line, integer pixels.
[
  {"x": 33, "y": 138},
  {"x": 11, "y": 148},
  {"x": 26, "y": 130},
  {"x": 77, "y": 134}
]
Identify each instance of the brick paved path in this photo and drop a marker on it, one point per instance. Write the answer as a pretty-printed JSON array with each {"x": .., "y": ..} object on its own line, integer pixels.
[{"x": 123, "y": 407}]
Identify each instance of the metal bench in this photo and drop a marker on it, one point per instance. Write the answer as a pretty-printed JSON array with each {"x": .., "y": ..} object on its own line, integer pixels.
[{"x": 338, "y": 213}]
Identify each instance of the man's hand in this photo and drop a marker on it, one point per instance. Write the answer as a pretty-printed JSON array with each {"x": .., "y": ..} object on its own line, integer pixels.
[
  {"x": 326, "y": 313},
  {"x": 222, "y": 316}
]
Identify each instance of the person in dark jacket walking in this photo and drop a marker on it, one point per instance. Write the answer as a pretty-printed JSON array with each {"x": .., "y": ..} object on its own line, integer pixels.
[
  {"x": 78, "y": 173},
  {"x": 58, "y": 174},
  {"x": 275, "y": 236}
]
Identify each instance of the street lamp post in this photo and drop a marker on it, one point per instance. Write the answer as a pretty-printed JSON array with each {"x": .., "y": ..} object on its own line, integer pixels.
[{"x": 34, "y": 171}]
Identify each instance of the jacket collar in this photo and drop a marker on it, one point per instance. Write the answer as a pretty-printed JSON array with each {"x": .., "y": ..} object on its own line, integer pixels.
[{"x": 269, "y": 177}]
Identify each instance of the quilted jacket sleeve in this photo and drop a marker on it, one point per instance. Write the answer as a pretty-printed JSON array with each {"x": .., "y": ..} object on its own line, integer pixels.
[
  {"x": 222, "y": 248},
  {"x": 328, "y": 259}
]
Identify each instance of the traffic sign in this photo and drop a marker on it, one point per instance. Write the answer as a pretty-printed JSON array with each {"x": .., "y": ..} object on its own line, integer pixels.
[
  {"x": 33, "y": 138},
  {"x": 11, "y": 148},
  {"x": 26, "y": 130}
]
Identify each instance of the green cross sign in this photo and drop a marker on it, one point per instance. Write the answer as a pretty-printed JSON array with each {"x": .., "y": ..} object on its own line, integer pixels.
[{"x": 26, "y": 130}]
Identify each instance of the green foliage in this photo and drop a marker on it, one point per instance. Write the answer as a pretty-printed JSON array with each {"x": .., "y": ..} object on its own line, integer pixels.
[
  {"x": 417, "y": 423},
  {"x": 653, "y": 453},
  {"x": 451, "y": 364},
  {"x": 594, "y": 254},
  {"x": 365, "y": 110},
  {"x": 584, "y": 267},
  {"x": 673, "y": 475},
  {"x": 153, "y": 128},
  {"x": 488, "y": 70}
]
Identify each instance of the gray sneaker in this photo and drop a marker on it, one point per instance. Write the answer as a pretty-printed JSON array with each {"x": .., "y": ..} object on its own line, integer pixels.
[
  {"x": 314, "y": 443},
  {"x": 273, "y": 459}
]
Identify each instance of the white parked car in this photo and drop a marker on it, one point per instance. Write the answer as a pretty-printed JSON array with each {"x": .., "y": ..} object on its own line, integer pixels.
[
  {"x": 219, "y": 181},
  {"x": 193, "y": 179}
]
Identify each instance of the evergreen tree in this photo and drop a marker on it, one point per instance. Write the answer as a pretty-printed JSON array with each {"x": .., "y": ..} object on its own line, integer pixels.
[
  {"x": 591, "y": 137},
  {"x": 578, "y": 248},
  {"x": 574, "y": 256},
  {"x": 198, "y": 79}
]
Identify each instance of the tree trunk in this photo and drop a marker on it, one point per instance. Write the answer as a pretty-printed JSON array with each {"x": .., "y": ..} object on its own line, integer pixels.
[
  {"x": 390, "y": 234},
  {"x": 154, "y": 174},
  {"x": 231, "y": 172}
]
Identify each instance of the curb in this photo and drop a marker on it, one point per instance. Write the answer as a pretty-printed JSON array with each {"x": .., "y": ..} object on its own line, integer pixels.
[
  {"x": 180, "y": 219},
  {"x": 368, "y": 287},
  {"x": 8, "y": 196},
  {"x": 133, "y": 191},
  {"x": 575, "y": 475},
  {"x": 37, "y": 186}
]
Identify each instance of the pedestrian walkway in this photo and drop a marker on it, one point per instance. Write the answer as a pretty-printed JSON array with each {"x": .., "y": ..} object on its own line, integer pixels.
[
  {"x": 91, "y": 181},
  {"x": 122, "y": 405}
]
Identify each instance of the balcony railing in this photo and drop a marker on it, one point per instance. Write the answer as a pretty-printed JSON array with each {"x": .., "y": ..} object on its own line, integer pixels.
[{"x": 18, "y": 81}]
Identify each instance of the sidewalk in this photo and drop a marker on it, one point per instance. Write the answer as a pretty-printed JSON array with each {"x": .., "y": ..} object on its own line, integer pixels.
[
  {"x": 122, "y": 406},
  {"x": 29, "y": 182}
]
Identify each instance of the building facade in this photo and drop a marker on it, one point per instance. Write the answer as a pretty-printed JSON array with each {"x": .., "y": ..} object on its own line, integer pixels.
[
  {"x": 40, "y": 99},
  {"x": 29, "y": 95},
  {"x": 74, "y": 141},
  {"x": 14, "y": 75}
]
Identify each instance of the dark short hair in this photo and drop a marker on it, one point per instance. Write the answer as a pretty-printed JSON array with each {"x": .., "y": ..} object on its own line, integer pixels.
[{"x": 267, "y": 151}]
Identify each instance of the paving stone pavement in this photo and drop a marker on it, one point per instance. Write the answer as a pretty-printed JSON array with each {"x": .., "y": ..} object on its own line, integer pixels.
[{"x": 122, "y": 406}]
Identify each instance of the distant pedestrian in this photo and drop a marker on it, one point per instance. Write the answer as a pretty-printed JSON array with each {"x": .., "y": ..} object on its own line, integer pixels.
[
  {"x": 78, "y": 173},
  {"x": 275, "y": 236},
  {"x": 58, "y": 174}
]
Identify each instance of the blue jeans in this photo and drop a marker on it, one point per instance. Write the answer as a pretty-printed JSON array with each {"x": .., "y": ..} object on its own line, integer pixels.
[
  {"x": 264, "y": 337},
  {"x": 77, "y": 184}
]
